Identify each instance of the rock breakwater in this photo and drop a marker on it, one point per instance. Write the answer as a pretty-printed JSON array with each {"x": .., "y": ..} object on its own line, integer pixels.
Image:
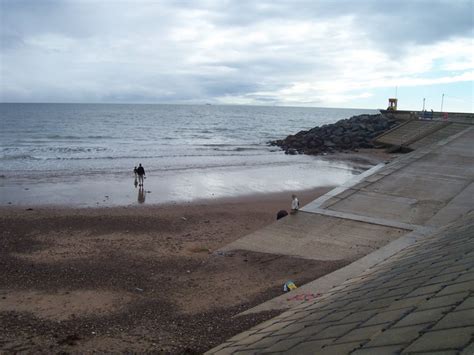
[{"x": 347, "y": 134}]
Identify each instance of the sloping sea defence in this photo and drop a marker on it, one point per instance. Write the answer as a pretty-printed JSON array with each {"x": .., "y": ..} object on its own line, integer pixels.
[{"x": 344, "y": 135}]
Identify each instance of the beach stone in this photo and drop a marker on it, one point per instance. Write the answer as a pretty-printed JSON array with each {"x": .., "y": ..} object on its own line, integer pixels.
[{"x": 281, "y": 214}]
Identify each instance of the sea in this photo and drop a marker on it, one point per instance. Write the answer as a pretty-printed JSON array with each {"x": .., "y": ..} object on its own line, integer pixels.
[{"x": 84, "y": 154}]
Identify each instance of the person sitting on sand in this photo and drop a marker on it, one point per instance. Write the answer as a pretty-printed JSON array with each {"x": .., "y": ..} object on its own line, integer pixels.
[
  {"x": 295, "y": 204},
  {"x": 141, "y": 174}
]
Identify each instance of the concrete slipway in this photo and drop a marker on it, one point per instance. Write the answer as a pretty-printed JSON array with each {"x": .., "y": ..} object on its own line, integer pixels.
[{"x": 388, "y": 210}]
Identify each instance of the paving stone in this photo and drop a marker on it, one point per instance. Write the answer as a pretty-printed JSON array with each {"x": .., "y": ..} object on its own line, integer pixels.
[
  {"x": 336, "y": 305},
  {"x": 386, "y": 350},
  {"x": 448, "y": 260},
  {"x": 403, "y": 289},
  {"x": 260, "y": 326},
  {"x": 443, "y": 278},
  {"x": 454, "y": 268},
  {"x": 290, "y": 329},
  {"x": 314, "y": 316},
  {"x": 426, "y": 290},
  {"x": 242, "y": 335},
  {"x": 276, "y": 326},
  {"x": 455, "y": 338},
  {"x": 394, "y": 283},
  {"x": 468, "y": 350},
  {"x": 297, "y": 316},
  {"x": 443, "y": 352},
  {"x": 309, "y": 347},
  {"x": 339, "y": 348},
  {"x": 370, "y": 285},
  {"x": 266, "y": 342},
  {"x": 466, "y": 247},
  {"x": 334, "y": 331},
  {"x": 396, "y": 336},
  {"x": 382, "y": 303},
  {"x": 362, "y": 303},
  {"x": 468, "y": 276},
  {"x": 415, "y": 281},
  {"x": 421, "y": 317},
  {"x": 462, "y": 318},
  {"x": 355, "y": 295},
  {"x": 442, "y": 301},
  {"x": 458, "y": 287},
  {"x": 359, "y": 316},
  {"x": 466, "y": 304},
  {"x": 284, "y": 345},
  {"x": 400, "y": 292},
  {"x": 387, "y": 317},
  {"x": 251, "y": 339},
  {"x": 361, "y": 334},
  {"x": 430, "y": 271},
  {"x": 311, "y": 330},
  {"x": 337, "y": 316},
  {"x": 287, "y": 315},
  {"x": 317, "y": 304},
  {"x": 381, "y": 292},
  {"x": 303, "y": 305},
  {"x": 406, "y": 302}
]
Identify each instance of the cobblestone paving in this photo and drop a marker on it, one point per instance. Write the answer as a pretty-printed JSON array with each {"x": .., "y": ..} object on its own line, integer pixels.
[{"x": 421, "y": 300}]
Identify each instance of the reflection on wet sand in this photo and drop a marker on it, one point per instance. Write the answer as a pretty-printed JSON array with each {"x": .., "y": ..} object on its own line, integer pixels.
[
  {"x": 172, "y": 186},
  {"x": 141, "y": 195}
]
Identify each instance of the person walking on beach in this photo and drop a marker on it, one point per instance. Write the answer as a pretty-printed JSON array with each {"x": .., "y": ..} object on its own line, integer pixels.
[
  {"x": 295, "y": 204},
  {"x": 141, "y": 174}
]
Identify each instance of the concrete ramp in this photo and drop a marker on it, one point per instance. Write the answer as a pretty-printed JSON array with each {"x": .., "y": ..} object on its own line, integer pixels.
[
  {"x": 319, "y": 237},
  {"x": 414, "y": 294},
  {"x": 388, "y": 208},
  {"x": 386, "y": 203}
]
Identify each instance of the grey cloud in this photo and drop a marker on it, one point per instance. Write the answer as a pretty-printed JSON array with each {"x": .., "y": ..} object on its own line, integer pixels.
[
  {"x": 110, "y": 58},
  {"x": 419, "y": 21}
]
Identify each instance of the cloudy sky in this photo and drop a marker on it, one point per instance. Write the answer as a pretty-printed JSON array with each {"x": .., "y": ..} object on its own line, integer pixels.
[{"x": 268, "y": 52}]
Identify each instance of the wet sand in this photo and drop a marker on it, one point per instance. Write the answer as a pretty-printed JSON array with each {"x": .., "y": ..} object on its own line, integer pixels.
[{"x": 165, "y": 187}]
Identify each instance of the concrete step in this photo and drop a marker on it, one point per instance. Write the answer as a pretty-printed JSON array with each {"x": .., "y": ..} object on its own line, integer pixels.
[{"x": 409, "y": 132}]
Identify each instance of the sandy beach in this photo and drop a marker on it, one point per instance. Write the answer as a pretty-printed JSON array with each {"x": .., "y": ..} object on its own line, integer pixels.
[{"x": 138, "y": 278}]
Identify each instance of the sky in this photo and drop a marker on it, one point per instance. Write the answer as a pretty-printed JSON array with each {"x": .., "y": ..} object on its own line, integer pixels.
[{"x": 326, "y": 53}]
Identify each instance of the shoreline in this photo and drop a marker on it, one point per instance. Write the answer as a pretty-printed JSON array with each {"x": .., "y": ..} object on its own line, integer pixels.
[
  {"x": 190, "y": 187},
  {"x": 305, "y": 196}
]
